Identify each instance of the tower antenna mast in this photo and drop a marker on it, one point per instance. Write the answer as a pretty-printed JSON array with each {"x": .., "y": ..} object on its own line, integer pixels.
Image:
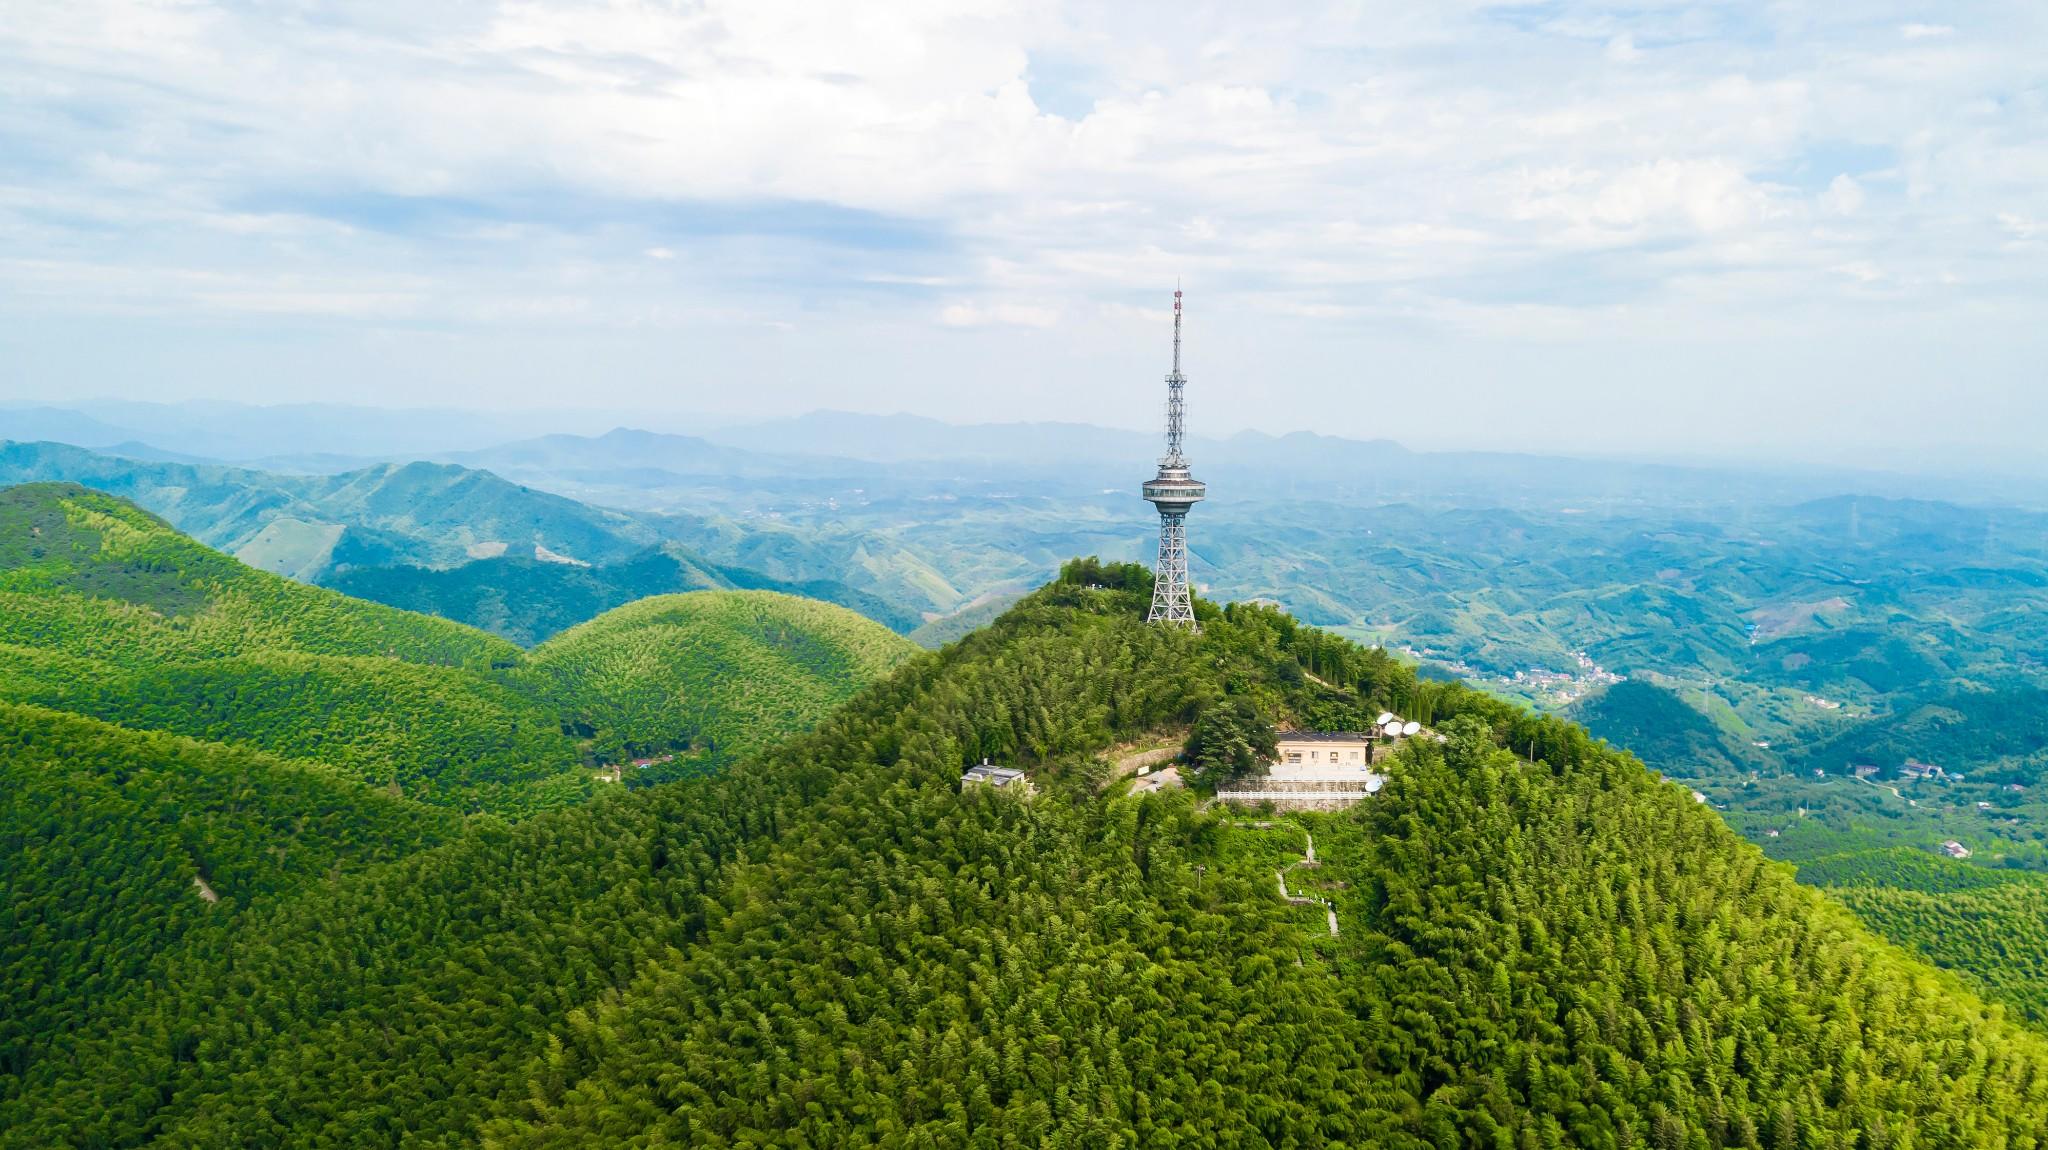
[
  {"x": 1173, "y": 491},
  {"x": 1176, "y": 419}
]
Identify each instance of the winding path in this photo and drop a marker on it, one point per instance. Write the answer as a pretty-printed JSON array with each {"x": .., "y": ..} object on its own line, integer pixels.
[{"x": 1308, "y": 859}]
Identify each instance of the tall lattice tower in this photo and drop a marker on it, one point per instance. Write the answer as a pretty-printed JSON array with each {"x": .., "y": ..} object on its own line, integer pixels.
[{"x": 1173, "y": 491}]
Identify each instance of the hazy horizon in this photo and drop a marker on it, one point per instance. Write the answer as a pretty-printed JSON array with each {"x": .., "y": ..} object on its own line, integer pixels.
[{"x": 427, "y": 435}]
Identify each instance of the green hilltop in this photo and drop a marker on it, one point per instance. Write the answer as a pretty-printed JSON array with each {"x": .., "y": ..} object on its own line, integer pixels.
[
  {"x": 1661, "y": 728},
  {"x": 106, "y": 611},
  {"x": 528, "y": 600},
  {"x": 1534, "y": 941},
  {"x": 718, "y": 672}
]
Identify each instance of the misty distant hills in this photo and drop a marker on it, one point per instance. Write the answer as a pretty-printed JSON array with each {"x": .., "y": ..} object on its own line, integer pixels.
[
  {"x": 57, "y": 425},
  {"x": 304, "y": 526},
  {"x": 241, "y": 433},
  {"x": 1310, "y": 465},
  {"x": 667, "y": 459},
  {"x": 626, "y": 450},
  {"x": 901, "y": 438},
  {"x": 412, "y": 520}
]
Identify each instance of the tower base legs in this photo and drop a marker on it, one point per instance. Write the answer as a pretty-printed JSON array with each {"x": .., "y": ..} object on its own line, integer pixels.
[{"x": 1172, "y": 599}]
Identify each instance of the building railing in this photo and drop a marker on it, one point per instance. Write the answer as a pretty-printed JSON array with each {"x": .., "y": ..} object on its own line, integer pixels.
[{"x": 1282, "y": 796}]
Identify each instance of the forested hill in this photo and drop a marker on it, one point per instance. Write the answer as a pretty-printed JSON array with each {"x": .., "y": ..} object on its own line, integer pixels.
[
  {"x": 1657, "y": 725},
  {"x": 107, "y": 612},
  {"x": 97, "y": 576},
  {"x": 833, "y": 945},
  {"x": 720, "y": 673},
  {"x": 528, "y": 600}
]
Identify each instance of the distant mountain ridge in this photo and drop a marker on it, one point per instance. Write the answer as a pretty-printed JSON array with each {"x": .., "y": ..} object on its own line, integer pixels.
[
  {"x": 627, "y": 449},
  {"x": 410, "y": 520},
  {"x": 329, "y": 437},
  {"x": 304, "y": 526}
]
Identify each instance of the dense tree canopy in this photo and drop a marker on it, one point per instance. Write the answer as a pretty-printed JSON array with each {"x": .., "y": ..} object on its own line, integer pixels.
[
  {"x": 834, "y": 944},
  {"x": 107, "y": 612},
  {"x": 1230, "y": 738},
  {"x": 721, "y": 672}
]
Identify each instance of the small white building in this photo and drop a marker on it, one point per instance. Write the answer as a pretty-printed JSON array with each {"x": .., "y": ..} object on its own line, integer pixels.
[
  {"x": 1004, "y": 778},
  {"x": 1955, "y": 849}
]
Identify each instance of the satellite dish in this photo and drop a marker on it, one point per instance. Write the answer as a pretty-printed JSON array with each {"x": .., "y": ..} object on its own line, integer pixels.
[
  {"x": 1385, "y": 718},
  {"x": 1411, "y": 728},
  {"x": 1392, "y": 729}
]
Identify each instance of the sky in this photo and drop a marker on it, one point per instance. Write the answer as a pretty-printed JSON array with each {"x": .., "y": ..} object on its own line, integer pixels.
[{"x": 1792, "y": 231}]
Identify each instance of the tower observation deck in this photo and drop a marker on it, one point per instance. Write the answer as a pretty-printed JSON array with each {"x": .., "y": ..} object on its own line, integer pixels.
[{"x": 1173, "y": 491}]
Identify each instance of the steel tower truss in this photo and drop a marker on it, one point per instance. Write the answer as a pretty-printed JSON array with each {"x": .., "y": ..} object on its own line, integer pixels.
[
  {"x": 1172, "y": 599},
  {"x": 1173, "y": 491}
]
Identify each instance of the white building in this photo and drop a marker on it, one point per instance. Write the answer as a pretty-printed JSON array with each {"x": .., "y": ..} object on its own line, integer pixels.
[{"x": 1325, "y": 757}]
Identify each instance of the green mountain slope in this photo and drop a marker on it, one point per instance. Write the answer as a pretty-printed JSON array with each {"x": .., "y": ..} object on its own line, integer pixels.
[
  {"x": 105, "y": 611},
  {"x": 526, "y": 600},
  {"x": 832, "y": 944},
  {"x": 117, "y": 842},
  {"x": 1985, "y": 925},
  {"x": 1996, "y": 938},
  {"x": 1662, "y": 729},
  {"x": 441, "y": 734},
  {"x": 97, "y": 577},
  {"x": 1994, "y": 736},
  {"x": 308, "y": 714},
  {"x": 305, "y": 526},
  {"x": 1989, "y": 926},
  {"x": 718, "y": 673}
]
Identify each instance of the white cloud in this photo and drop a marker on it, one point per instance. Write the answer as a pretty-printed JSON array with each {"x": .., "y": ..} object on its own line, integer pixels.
[
  {"x": 1665, "y": 197},
  {"x": 1011, "y": 314},
  {"x": 1844, "y": 196},
  {"x": 1925, "y": 31}
]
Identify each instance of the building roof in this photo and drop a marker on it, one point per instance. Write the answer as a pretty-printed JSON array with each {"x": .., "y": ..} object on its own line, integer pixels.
[
  {"x": 984, "y": 773},
  {"x": 1322, "y": 737},
  {"x": 1157, "y": 780}
]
